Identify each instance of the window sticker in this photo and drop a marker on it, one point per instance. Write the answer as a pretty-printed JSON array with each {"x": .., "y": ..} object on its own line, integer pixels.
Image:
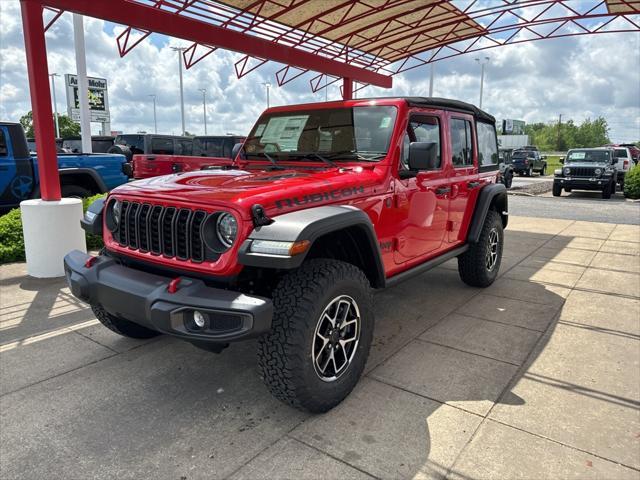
[
  {"x": 577, "y": 155},
  {"x": 385, "y": 122},
  {"x": 284, "y": 131}
]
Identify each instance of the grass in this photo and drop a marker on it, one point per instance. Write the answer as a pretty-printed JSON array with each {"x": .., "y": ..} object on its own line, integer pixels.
[{"x": 553, "y": 163}]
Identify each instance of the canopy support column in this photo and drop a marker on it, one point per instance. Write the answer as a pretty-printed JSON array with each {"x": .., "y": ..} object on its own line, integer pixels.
[{"x": 347, "y": 88}]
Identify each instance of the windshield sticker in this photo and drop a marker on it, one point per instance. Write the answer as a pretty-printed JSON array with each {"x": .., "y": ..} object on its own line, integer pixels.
[
  {"x": 385, "y": 122},
  {"x": 260, "y": 129},
  {"x": 284, "y": 131},
  {"x": 577, "y": 155}
]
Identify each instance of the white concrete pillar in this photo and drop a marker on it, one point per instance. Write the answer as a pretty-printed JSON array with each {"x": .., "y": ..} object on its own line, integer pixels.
[{"x": 51, "y": 230}]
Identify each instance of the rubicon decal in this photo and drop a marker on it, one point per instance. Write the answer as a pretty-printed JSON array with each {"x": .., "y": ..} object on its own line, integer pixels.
[{"x": 327, "y": 196}]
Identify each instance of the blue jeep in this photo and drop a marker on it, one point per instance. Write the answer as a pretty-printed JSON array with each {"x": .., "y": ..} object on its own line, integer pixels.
[{"x": 81, "y": 175}]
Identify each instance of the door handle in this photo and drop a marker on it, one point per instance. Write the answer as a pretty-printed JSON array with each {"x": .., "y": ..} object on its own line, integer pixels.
[
  {"x": 442, "y": 190},
  {"x": 473, "y": 184}
]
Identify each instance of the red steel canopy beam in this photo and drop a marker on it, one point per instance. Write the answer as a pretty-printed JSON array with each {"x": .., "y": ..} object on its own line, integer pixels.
[{"x": 160, "y": 21}]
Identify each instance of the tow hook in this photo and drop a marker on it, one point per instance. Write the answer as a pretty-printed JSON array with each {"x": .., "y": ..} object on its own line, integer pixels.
[
  {"x": 90, "y": 261},
  {"x": 173, "y": 285}
]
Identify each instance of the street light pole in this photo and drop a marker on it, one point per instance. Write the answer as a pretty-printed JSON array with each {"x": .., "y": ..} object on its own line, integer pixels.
[
  {"x": 180, "y": 50},
  {"x": 55, "y": 103},
  {"x": 204, "y": 108},
  {"x": 155, "y": 121},
  {"x": 431, "y": 81},
  {"x": 267, "y": 86},
  {"x": 482, "y": 64}
]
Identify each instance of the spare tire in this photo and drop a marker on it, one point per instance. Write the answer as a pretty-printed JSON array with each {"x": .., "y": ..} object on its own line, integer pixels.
[{"x": 122, "y": 150}]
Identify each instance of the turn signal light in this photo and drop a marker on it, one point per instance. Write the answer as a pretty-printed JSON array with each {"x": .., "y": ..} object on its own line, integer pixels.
[{"x": 271, "y": 247}]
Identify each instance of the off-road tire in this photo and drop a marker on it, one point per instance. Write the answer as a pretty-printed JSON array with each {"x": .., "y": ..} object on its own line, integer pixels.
[
  {"x": 568, "y": 190},
  {"x": 557, "y": 190},
  {"x": 508, "y": 180},
  {"x": 121, "y": 326},
  {"x": 69, "y": 191},
  {"x": 285, "y": 353},
  {"x": 529, "y": 172},
  {"x": 543, "y": 172},
  {"x": 606, "y": 191},
  {"x": 472, "y": 264}
]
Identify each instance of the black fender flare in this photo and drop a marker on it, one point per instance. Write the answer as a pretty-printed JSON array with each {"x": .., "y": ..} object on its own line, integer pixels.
[
  {"x": 70, "y": 172},
  {"x": 493, "y": 194},
  {"x": 311, "y": 224}
]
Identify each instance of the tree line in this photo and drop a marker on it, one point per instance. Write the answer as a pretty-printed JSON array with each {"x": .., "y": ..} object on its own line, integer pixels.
[{"x": 563, "y": 136}]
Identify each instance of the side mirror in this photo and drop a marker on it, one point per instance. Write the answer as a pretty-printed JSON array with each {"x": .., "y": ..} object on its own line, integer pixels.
[
  {"x": 543, "y": 157},
  {"x": 237, "y": 149},
  {"x": 561, "y": 159},
  {"x": 423, "y": 156}
]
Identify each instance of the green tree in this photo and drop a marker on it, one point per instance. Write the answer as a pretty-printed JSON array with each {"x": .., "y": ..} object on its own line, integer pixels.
[
  {"x": 554, "y": 136},
  {"x": 68, "y": 128}
]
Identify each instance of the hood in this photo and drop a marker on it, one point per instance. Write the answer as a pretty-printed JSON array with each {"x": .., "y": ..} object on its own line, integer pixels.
[{"x": 275, "y": 190}]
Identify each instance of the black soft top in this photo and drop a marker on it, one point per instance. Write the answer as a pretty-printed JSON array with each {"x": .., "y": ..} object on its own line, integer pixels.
[{"x": 449, "y": 104}]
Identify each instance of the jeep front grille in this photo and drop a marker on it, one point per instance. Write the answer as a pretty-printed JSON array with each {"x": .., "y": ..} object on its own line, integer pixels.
[
  {"x": 169, "y": 231},
  {"x": 582, "y": 172}
]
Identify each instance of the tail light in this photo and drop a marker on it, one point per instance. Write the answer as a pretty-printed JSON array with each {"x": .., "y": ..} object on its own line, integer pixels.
[
  {"x": 526, "y": 162},
  {"x": 625, "y": 164}
]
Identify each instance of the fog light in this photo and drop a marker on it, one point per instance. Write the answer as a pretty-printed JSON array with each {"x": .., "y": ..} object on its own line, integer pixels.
[{"x": 198, "y": 319}]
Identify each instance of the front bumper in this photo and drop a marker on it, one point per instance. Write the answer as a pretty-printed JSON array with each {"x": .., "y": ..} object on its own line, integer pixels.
[
  {"x": 583, "y": 183},
  {"x": 144, "y": 298}
]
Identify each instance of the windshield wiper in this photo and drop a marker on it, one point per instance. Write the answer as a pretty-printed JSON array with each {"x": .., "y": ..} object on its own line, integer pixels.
[
  {"x": 353, "y": 155},
  {"x": 311, "y": 155},
  {"x": 270, "y": 158}
]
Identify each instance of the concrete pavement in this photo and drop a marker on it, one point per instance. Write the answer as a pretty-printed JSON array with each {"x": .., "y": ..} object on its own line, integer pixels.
[{"x": 537, "y": 376}]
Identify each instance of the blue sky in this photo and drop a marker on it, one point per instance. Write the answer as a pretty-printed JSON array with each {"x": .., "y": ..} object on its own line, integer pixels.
[{"x": 578, "y": 77}]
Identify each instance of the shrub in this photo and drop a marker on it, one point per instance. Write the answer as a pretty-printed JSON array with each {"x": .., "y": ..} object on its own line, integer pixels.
[
  {"x": 12, "y": 239},
  {"x": 632, "y": 183}
]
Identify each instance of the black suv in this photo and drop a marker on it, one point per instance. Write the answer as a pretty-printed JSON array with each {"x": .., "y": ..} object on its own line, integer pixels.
[
  {"x": 587, "y": 169},
  {"x": 134, "y": 144},
  {"x": 525, "y": 162}
]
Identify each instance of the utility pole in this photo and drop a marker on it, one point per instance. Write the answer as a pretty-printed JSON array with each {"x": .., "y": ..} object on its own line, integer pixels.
[
  {"x": 180, "y": 50},
  {"x": 155, "y": 121},
  {"x": 482, "y": 64},
  {"x": 204, "y": 108},
  {"x": 431, "y": 79},
  {"x": 559, "y": 130},
  {"x": 55, "y": 103},
  {"x": 267, "y": 86}
]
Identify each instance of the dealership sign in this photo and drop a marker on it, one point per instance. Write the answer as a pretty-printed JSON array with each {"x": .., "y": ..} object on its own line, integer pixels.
[
  {"x": 513, "y": 127},
  {"x": 98, "y": 98}
]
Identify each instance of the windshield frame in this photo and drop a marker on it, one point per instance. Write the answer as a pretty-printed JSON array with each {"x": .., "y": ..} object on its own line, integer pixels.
[
  {"x": 568, "y": 159},
  {"x": 319, "y": 155}
]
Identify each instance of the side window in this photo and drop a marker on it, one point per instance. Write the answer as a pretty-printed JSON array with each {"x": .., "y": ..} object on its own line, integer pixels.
[
  {"x": 461, "y": 143},
  {"x": 228, "y": 146},
  {"x": 421, "y": 129},
  {"x": 487, "y": 146},
  {"x": 184, "y": 147},
  {"x": 162, "y": 146},
  {"x": 4, "y": 151}
]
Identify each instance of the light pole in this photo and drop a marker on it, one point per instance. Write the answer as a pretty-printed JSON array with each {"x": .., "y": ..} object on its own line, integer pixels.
[
  {"x": 180, "y": 50},
  {"x": 155, "y": 121},
  {"x": 204, "y": 107},
  {"x": 482, "y": 64},
  {"x": 267, "y": 86},
  {"x": 431, "y": 80},
  {"x": 55, "y": 103}
]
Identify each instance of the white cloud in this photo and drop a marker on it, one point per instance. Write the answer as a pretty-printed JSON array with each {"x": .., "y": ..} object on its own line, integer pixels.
[{"x": 579, "y": 77}]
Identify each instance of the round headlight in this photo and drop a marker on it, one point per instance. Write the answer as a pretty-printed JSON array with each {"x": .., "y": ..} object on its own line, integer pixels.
[
  {"x": 227, "y": 229},
  {"x": 598, "y": 171},
  {"x": 112, "y": 214},
  {"x": 567, "y": 171}
]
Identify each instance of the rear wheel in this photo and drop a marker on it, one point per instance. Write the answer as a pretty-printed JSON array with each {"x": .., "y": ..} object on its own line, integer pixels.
[
  {"x": 121, "y": 326},
  {"x": 479, "y": 265},
  {"x": 320, "y": 335},
  {"x": 557, "y": 190},
  {"x": 529, "y": 172},
  {"x": 543, "y": 172},
  {"x": 69, "y": 191}
]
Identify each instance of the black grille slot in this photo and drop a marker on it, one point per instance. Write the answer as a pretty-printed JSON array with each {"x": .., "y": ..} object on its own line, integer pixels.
[
  {"x": 161, "y": 230},
  {"x": 195, "y": 238},
  {"x": 582, "y": 172}
]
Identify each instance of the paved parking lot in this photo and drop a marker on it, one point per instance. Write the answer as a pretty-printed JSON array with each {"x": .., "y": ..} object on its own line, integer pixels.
[{"x": 537, "y": 376}]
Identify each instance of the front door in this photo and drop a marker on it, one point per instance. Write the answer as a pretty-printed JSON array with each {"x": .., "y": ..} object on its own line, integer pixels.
[
  {"x": 16, "y": 169},
  {"x": 422, "y": 201},
  {"x": 464, "y": 176}
]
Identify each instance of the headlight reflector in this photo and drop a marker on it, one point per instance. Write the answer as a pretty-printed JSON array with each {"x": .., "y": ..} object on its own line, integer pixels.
[
  {"x": 567, "y": 171},
  {"x": 598, "y": 172},
  {"x": 227, "y": 229}
]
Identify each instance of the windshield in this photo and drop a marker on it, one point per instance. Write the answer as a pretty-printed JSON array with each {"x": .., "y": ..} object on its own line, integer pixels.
[
  {"x": 133, "y": 141},
  {"x": 361, "y": 133},
  {"x": 599, "y": 156}
]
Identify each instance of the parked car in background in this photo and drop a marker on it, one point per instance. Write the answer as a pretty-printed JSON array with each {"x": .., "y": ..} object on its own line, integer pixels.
[
  {"x": 99, "y": 144},
  {"x": 151, "y": 143},
  {"x": 624, "y": 161},
  {"x": 81, "y": 175},
  {"x": 633, "y": 148},
  {"x": 31, "y": 143},
  {"x": 525, "y": 162},
  {"x": 587, "y": 169},
  {"x": 506, "y": 169},
  {"x": 208, "y": 152}
]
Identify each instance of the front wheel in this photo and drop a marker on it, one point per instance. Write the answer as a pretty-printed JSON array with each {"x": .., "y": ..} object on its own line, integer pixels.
[
  {"x": 479, "y": 265},
  {"x": 606, "y": 191},
  {"x": 557, "y": 190},
  {"x": 543, "y": 172},
  {"x": 320, "y": 335}
]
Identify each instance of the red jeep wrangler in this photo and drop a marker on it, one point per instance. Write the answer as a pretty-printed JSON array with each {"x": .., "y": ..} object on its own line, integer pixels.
[{"x": 324, "y": 204}]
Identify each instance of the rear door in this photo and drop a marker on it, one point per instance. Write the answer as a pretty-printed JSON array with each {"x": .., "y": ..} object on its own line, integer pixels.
[
  {"x": 16, "y": 167},
  {"x": 464, "y": 176},
  {"x": 421, "y": 201}
]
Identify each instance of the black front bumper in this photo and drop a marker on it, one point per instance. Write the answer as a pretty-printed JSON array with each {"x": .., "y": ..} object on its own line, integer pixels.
[
  {"x": 144, "y": 298},
  {"x": 583, "y": 183}
]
